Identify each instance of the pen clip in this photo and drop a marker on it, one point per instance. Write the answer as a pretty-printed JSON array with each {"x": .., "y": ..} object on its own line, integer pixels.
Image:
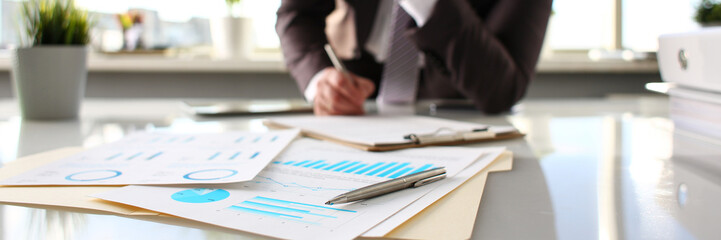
[
  {"x": 445, "y": 134},
  {"x": 429, "y": 180}
]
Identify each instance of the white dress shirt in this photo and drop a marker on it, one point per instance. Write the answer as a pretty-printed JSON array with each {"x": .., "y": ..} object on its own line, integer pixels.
[{"x": 379, "y": 38}]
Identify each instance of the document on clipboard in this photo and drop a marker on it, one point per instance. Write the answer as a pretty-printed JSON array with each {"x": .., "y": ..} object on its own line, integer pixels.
[{"x": 386, "y": 133}]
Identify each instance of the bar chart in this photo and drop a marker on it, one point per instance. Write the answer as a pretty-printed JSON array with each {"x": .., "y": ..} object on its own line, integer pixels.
[
  {"x": 294, "y": 211},
  {"x": 388, "y": 169}
]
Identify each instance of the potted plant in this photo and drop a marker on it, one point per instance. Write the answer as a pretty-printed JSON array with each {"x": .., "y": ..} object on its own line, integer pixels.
[
  {"x": 708, "y": 13},
  {"x": 232, "y": 35},
  {"x": 49, "y": 69}
]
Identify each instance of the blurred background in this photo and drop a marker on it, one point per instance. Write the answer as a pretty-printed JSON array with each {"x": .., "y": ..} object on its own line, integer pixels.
[{"x": 174, "y": 48}]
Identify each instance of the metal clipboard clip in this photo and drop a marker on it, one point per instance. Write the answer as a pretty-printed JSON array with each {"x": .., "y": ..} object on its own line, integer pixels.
[{"x": 449, "y": 135}]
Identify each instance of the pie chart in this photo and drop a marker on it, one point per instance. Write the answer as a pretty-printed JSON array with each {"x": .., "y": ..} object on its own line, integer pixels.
[{"x": 200, "y": 195}]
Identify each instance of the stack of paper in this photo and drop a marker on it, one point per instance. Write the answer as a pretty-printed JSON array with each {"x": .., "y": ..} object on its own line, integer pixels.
[
  {"x": 257, "y": 186},
  {"x": 291, "y": 191}
]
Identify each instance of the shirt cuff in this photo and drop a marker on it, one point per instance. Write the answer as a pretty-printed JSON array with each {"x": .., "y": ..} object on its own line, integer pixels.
[
  {"x": 420, "y": 10},
  {"x": 312, "y": 88}
]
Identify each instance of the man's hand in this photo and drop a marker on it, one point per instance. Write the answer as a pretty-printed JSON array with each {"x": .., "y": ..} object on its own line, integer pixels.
[{"x": 337, "y": 95}]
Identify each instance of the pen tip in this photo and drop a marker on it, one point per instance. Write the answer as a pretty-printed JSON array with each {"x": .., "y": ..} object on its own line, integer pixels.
[{"x": 328, "y": 203}]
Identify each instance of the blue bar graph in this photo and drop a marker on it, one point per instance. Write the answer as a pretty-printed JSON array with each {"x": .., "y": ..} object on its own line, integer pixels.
[
  {"x": 424, "y": 167},
  {"x": 240, "y": 139},
  {"x": 345, "y": 166},
  {"x": 296, "y": 211},
  {"x": 335, "y": 165},
  {"x": 379, "y": 169},
  {"x": 374, "y": 172},
  {"x": 401, "y": 172},
  {"x": 301, "y": 204},
  {"x": 274, "y": 138},
  {"x": 301, "y": 163},
  {"x": 256, "y": 139},
  {"x": 313, "y": 163},
  {"x": 190, "y": 139},
  {"x": 214, "y": 156},
  {"x": 369, "y": 168},
  {"x": 355, "y": 168},
  {"x": 384, "y": 174},
  {"x": 234, "y": 156},
  {"x": 261, "y": 212},
  {"x": 254, "y": 155}
]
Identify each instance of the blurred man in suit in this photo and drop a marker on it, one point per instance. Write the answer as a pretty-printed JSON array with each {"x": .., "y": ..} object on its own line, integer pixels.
[{"x": 482, "y": 50}]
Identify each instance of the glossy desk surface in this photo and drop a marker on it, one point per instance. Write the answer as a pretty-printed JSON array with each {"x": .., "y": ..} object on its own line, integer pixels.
[{"x": 587, "y": 169}]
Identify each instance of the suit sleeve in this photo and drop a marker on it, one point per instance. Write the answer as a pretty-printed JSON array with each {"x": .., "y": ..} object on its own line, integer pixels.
[
  {"x": 489, "y": 61},
  {"x": 301, "y": 29}
]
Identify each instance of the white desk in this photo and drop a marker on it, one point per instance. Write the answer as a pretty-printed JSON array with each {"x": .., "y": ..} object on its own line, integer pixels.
[{"x": 588, "y": 169}]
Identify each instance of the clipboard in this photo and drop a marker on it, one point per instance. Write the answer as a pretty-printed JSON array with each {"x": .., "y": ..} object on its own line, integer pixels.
[{"x": 386, "y": 133}]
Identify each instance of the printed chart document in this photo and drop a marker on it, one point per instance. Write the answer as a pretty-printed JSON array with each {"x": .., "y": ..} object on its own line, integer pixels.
[
  {"x": 286, "y": 200},
  {"x": 165, "y": 158}
]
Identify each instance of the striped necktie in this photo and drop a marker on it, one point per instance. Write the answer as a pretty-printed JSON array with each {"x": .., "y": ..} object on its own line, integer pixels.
[{"x": 400, "y": 72}]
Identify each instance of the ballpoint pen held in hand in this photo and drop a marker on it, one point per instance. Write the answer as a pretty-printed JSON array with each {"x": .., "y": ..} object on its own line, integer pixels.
[
  {"x": 412, "y": 180},
  {"x": 337, "y": 63}
]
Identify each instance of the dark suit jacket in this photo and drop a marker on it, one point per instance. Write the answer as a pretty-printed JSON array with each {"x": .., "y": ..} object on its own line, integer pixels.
[{"x": 483, "y": 50}]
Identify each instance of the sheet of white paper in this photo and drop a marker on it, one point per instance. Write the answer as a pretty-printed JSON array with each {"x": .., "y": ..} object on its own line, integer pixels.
[
  {"x": 444, "y": 188},
  {"x": 165, "y": 158},
  {"x": 377, "y": 130},
  {"x": 286, "y": 200}
]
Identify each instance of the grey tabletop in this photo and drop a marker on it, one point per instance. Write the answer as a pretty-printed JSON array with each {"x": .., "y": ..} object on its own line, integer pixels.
[{"x": 611, "y": 168}]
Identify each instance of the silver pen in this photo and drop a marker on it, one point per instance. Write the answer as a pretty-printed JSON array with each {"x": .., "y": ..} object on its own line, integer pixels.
[
  {"x": 337, "y": 63},
  {"x": 413, "y": 180}
]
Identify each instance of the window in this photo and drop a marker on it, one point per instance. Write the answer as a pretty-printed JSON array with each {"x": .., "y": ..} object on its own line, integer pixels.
[
  {"x": 176, "y": 23},
  {"x": 589, "y": 24}
]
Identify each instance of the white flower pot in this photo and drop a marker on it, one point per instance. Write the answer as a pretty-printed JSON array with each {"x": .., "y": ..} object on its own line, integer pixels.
[
  {"x": 50, "y": 81},
  {"x": 232, "y": 37}
]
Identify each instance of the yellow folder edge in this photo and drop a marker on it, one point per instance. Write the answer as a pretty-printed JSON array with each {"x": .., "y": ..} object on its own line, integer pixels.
[{"x": 451, "y": 217}]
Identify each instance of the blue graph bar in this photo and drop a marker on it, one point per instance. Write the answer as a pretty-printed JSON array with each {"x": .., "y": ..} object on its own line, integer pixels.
[
  {"x": 114, "y": 156},
  {"x": 155, "y": 140},
  {"x": 239, "y": 139},
  {"x": 384, "y": 174},
  {"x": 424, "y": 167},
  {"x": 335, "y": 165},
  {"x": 256, "y": 139},
  {"x": 274, "y": 138},
  {"x": 261, "y": 212},
  {"x": 313, "y": 163},
  {"x": 172, "y": 139},
  {"x": 134, "y": 156},
  {"x": 298, "y": 203},
  {"x": 320, "y": 166},
  {"x": 287, "y": 209},
  {"x": 400, "y": 173},
  {"x": 288, "y": 162},
  {"x": 154, "y": 156},
  {"x": 380, "y": 169},
  {"x": 234, "y": 155},
  {"x": 214, "y": 156},
  {"x": 355, "y": 168},
  {"x": 346, "y": 166},
  {"x": 369, "y": 168},
  {"x": 301, "y": 163},
  {"x": 189, "y": 139},
  {"x": 254, "y": 155}
]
